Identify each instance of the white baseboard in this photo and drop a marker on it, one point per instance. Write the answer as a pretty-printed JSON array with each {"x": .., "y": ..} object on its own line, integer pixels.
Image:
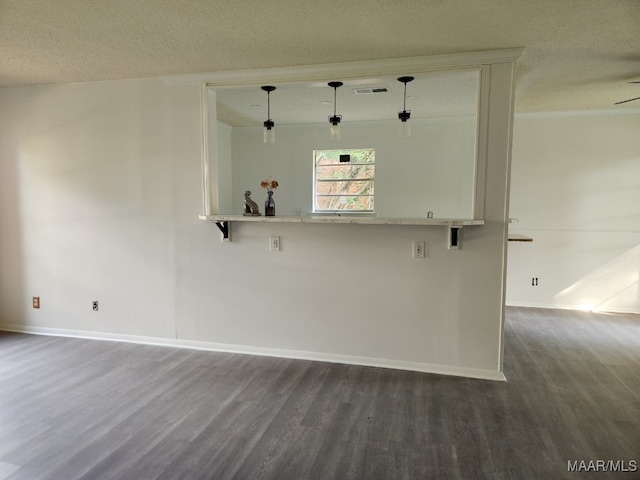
[
  {"x": 569, "y": 307},
  {"x": 537, "y": 305},
  {"x": 468, "y": 372}
]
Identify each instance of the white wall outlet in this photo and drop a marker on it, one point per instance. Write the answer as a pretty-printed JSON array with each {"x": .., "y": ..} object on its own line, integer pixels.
[
  {"x": 418, "y": 249},
  {"x": 274, "y": 245},
  {"x": 94, "y": 305}
]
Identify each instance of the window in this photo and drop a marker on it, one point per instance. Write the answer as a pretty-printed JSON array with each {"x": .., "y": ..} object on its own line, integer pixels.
[{"x": 343, "y": 180}]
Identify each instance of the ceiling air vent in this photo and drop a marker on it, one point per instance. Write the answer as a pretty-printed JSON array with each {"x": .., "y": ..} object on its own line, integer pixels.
[{"x": 369, "y": 91}]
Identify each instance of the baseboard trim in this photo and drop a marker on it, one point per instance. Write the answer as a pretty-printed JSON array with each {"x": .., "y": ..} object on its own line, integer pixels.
[
  {"x": 437, "y": 369},
  {"x": 570, "y": 307}
]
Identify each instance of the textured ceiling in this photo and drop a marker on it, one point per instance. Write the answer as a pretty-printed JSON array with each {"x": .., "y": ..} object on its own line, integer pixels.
[{"x": 579, "y": 54}]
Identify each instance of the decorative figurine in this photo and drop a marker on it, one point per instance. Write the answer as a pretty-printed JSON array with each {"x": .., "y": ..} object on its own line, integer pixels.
[{"x": 251, "y": 208}]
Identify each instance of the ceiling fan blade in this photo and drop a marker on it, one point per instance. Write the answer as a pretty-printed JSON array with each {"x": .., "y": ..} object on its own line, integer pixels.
[
  {"x": 625, "y": 101},
  {"x": 635, "y": 82}
]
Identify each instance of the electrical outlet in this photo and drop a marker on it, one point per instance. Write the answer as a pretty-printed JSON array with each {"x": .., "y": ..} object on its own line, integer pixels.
[
  {"x": 418, "y": 249},
  {"x": 274, "y": 246},
  {"x": 36, "y": 302},
  {"x": 95, "y": 305},
  {"x": 534, "y": 281}
]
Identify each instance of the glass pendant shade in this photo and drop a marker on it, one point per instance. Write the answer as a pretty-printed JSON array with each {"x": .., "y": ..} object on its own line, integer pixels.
[
  {"x": 268, "y": 132},
  {"x": 334, "y": 131},
  {"x": 405, "y": 129}
]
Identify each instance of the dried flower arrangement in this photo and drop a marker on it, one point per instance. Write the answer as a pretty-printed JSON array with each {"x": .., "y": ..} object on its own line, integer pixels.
[{"x": 269, "y": 183}]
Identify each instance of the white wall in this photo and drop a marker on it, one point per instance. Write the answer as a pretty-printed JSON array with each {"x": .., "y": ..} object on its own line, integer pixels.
[
  {"x": 576, "y": 190},
  {"x": 99, "y": 200},
  {"x": 430, "y": 171},
  {"x": 89, "y": 188},
  {"x": 225, "y": 172}
]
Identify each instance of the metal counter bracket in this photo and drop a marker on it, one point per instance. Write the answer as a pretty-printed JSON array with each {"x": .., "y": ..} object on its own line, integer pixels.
[{"x": 225, "y": 228}]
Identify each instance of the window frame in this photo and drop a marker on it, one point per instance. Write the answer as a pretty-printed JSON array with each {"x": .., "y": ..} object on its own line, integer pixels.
[{"x": 315, "y": 194}]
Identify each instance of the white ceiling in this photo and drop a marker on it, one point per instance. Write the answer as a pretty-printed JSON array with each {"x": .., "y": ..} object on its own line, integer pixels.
[{"x": 578, "y": 54}]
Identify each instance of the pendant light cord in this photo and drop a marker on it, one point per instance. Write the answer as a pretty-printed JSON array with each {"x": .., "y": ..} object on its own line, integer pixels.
[{"x": 404, "y": 103}]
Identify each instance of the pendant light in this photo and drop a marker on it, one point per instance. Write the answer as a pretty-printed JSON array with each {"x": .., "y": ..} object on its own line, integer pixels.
[
  {"x": 334, "y": 129},
  {"x": 404, "y": 115},
  {"x": 268, "y": 133}
]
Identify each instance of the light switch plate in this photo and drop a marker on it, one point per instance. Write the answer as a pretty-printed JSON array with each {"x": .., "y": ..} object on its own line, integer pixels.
[{"x": 274, "y": 246}]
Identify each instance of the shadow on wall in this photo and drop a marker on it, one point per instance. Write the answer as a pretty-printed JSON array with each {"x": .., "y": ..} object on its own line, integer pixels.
[
  {"x": 616, "y": 283},
  {"x": 13, "y": 298}
]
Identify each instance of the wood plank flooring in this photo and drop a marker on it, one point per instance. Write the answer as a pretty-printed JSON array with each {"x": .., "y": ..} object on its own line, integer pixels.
[{"x": 86, "y": 409}]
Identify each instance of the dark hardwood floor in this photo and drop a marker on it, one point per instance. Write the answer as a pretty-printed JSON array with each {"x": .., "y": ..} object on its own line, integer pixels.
[{"x": 86, "y": 409}]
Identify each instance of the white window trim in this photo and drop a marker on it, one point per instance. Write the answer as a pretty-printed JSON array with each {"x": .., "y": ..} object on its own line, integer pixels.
[{"x": 315, "y": 210}]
